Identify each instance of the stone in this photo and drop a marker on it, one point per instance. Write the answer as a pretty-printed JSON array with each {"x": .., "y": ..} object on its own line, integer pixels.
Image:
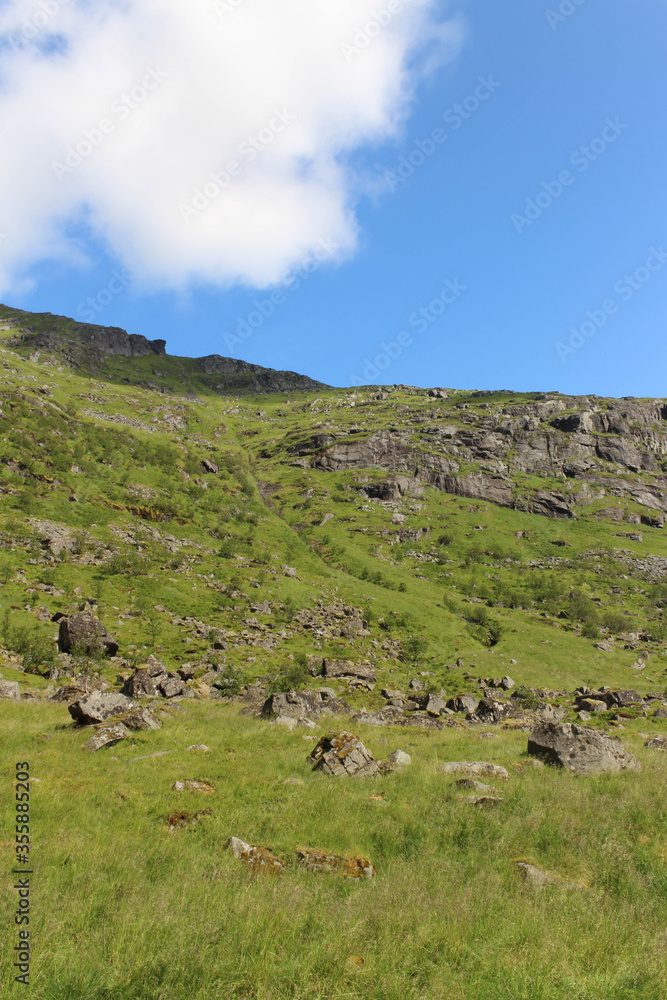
[
  {"x": 98, "y": 707},
  {"x": 476, "y": 786},
  {"x": 483, "y": 800},
  {"x": 292, "y": 781},
  {"x": 85, "y": 630},
  {"x": 199, "y": 746},
  {"x": 466, "y": 703},
  {"x": 171, "y": 687},
  {"x": 255, "y": 858},
  {"x": 592, "y": 705},
  {"x": 291, "y": 704},
  {"x": 507, "y": 683},
  {"x": 580, "y": 749},
  {"x": 140, "y": 685},
  {"x": 106, "y": 736},
  {"x": 659, "y": 713},
  {"x": 474, "y": 769},
  {"x": 584, "y": 716},
  {"x": 399, "y": 758},
  {"x": 142, "y": 720},
  {"x": 436, "y": 705},
  {"x": 657, "y": 743},
  {"x": 345, "y": 668},
  {"x": 343, "y": 754},
  {"x": 287, "y": 721},
  {"x": 314, "y": 860},
  {"x": 10, "y": 689},
  {"x": 193, "y": 786}
]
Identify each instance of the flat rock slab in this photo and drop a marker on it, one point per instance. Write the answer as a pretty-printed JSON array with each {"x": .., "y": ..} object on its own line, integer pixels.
[
  {"x": 193, "y": 786},
  {"x": 106, "y": 736},
  {"x": 476, "y": 786},
  {"x": 483, "y": 800},
  {"x": 343, "y": 754},
  {"x": 321, "y": 861},
  {"x": 255, "y": 858},
  {"x": 200, "y": 746},
  {"x": 474, "y": 769},
  {"x": 98, "y": 707},
  {"x": 580, "y": 749}
]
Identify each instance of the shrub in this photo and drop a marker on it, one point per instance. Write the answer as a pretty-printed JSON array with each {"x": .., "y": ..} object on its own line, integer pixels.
[{"x": 292, "y": 678}]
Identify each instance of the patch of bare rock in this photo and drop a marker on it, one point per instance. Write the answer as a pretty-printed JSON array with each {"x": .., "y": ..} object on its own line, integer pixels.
[{"x": 580, "y": 749}]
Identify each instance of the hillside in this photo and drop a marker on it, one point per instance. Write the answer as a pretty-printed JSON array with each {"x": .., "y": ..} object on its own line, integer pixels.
[{"x": 259, "y": 534}]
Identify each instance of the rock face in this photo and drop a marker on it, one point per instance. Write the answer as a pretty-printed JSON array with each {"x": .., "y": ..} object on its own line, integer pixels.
[
  {"x": 580, "y": 749},
  {"x": 343, "y": 754},
  {"x": 97, "y": 707},
  {"x": 85, "y": 630},
  {"x": 253, "y": 378}
]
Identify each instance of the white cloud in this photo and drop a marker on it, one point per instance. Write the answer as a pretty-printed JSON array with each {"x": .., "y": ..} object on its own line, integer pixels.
[{"x": 153, "y": 96}]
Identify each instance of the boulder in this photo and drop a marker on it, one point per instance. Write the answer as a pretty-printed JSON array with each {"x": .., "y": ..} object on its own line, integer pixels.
[
  {"x": 105, "y": 736},
  {"x": 343, "y": 754},
  {"x": 344, "y": 668},
  {"x": 580, "y": 749},
  {"x": 476, "y": 786},
  {"x": 140, "y": 685},
  {"x": 466, "y": 703},
  {"x": 255, "y": 858},
  {"x": 141, "y": 720},
  {"x": 436, "y": 705},
  {"x": 170, "y": 687},
  {"x": 10, "y": 689},
  {"x": 291, "y": 705},
  {"x": 399, "y": 758},
  {"x": 483, "y": 800},
  {"x": 314, "y": 860},
  {"x": 98, "y": 707},
  {"x": 474, "y": 769},
  {"x": 84, "y": 630}
]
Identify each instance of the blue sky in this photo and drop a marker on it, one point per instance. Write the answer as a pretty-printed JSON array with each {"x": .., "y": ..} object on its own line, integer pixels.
[{"x": 573, "y": 119}]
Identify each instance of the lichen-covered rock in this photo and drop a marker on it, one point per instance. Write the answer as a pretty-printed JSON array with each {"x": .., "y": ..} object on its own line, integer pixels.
[
  {"x": 322, "y": 861},
  {"x": 343, "y": 754},
  {"x": 106, "y": 736},
  {"x": 142, "y": 720},
  {"x": 345, "y": 668},
  {"x": 580, "y": 749},
  {"x": 140, "y": 685},
  {"x": 257, "y": 859},
  {"x": 84, "y": 631},
  {"x": 474, "y": 769},
  {"x": 9, "y": 689},
  {"x": 98, "y": 707}
]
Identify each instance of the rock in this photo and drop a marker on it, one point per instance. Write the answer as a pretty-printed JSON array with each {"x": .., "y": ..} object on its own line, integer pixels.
[
  {"x": 98, "y": 707},
  {"x": 199, "y": 746},
  {"x": 84, "y": 630},
  {"x": 592, "y": 705},
  {"x": 580, "y": 749},
  {"x": 474, "y": 769},
  {"x": 142, "y": 720},
  {"x": 344, "y": 668},
  {"x": 483, "y": 800},
  {"x": 507, "y": 683},
  {"x": 210, "y": 466},
  {"x": 193, "y": 786},
  {"x": 171, "y": 687},
  {"x": 186, "y": 672},
  {"x": 436, "y": 705},
  {"x": 416, "y": 685},
  {"x": 343, "y": 754},
  {"x": 399, "y": 758},
  {"x": 657, "y": 743},
  {"x": 291, "y": 705},
  {"x": 466, "y": 703},
  {"x": 106, "y": 736},
  {"x": 539, "y": 878},
  {"x": 255, "y": 858},
  {"x": 290, "y": 571},
  {"x": 287, "y": 721},
  {"x": 584, "y": 716},
  {"x": 659, "y": 713},
  {"x": 624, "y": 699},
  {"x": 321, "y": 861},
  {"x": 292, "y": 781},
  {"x": 181, "y": 820},
  {"x": 140, "y": 685},
  {"x": 10, "y": 689},
  {"x": 476, "y": 786}
]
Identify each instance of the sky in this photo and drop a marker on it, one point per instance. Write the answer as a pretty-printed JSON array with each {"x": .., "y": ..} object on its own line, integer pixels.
[{"x": 457, "y": 194}]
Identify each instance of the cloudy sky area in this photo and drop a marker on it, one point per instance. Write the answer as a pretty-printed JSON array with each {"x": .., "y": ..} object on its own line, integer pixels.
[{"x": 436, "y": 193}]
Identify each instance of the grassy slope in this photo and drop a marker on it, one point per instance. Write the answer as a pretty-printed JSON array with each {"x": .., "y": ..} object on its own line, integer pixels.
[{"x": 125, "y": 909}]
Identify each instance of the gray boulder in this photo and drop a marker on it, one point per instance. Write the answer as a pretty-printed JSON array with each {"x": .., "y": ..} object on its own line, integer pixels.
[
  {"x": 343, "y": 754},
  {"x": 345, "y": 668},
  {"x": 580, "y": 749},
  {"x": 98, "y": 707},
  {"x": 84, "y": 630},
  {"x": 106, "y": 736},
  {"x": 291, "y": 705},
  {"x": 466, "y": 703},
  {"x": 9, "y": 689},
  {"x": 140, "y": 685},
  {"x": 170, "y": 687}
]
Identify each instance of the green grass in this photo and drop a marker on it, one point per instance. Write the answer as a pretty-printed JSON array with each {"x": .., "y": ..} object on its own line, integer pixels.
[{"x": 124, "y": 909}]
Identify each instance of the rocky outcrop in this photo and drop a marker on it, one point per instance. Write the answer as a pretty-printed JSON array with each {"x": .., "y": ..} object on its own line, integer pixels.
[
  {"x": 243, "y": 376},
  {"x": 579, "y": 749},
  {"x": 98, "y": 707},
  {"x": 343, "y": 755}
]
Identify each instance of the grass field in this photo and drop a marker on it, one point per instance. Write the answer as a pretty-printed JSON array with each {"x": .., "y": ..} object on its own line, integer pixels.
[{"x": 125, "y": 910}]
